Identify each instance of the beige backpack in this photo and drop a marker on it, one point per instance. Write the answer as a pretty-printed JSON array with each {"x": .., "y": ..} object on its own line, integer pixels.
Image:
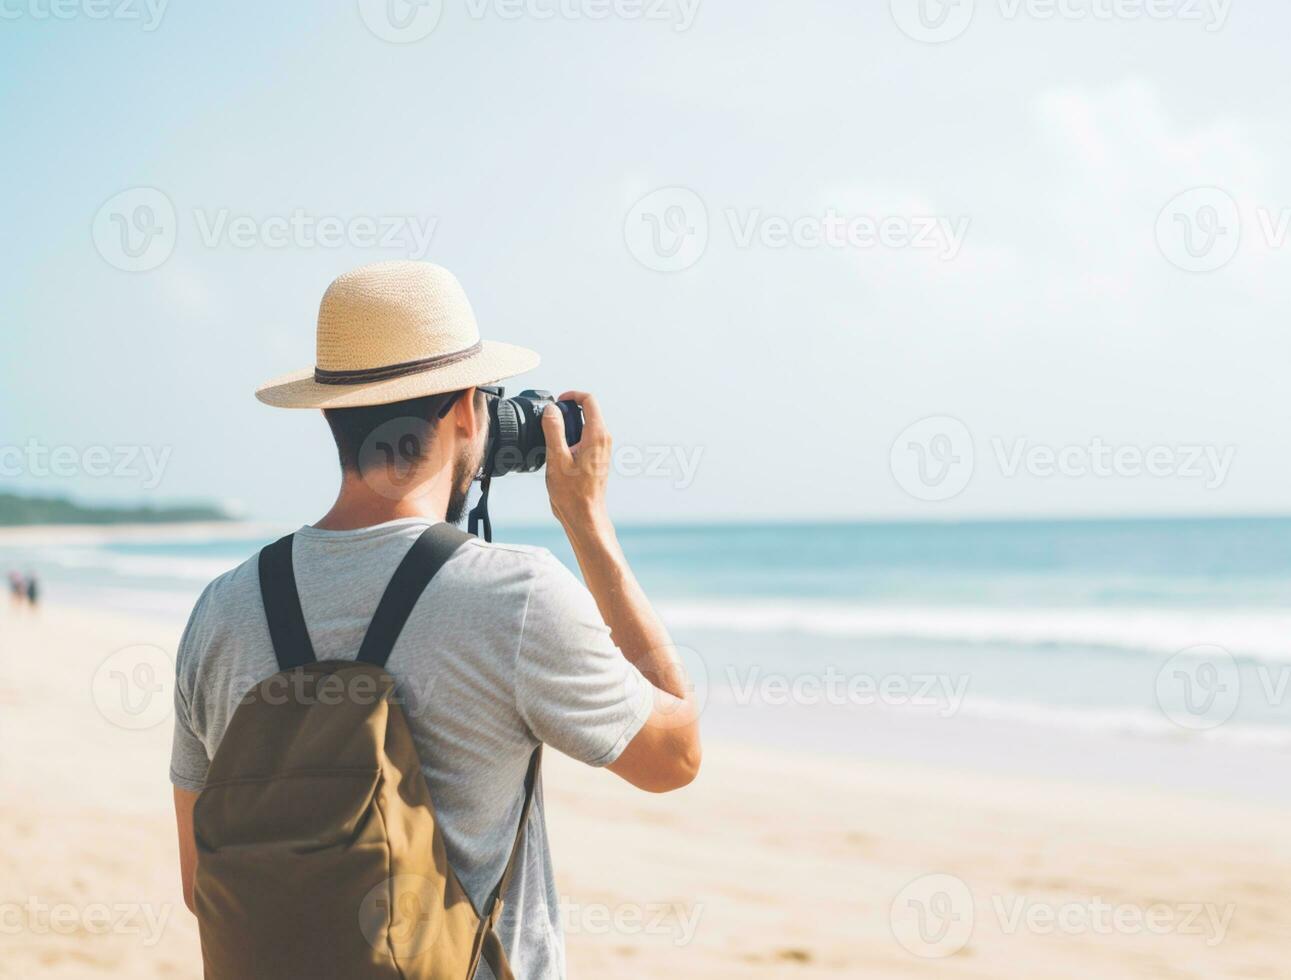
[{"x": 318, "y": 851}]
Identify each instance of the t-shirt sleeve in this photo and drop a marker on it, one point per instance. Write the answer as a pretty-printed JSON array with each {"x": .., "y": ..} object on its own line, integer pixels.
[
  {"x": 574, "y": 689},
  {"x": 188, "y": 759}
]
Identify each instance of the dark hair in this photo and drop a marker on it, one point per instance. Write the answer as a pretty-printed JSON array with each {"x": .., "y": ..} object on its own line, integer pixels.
[{"x": 416, "y": 418}]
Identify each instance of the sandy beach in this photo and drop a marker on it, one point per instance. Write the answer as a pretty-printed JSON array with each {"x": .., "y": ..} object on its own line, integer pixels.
[{"x": 771, "y": 865}]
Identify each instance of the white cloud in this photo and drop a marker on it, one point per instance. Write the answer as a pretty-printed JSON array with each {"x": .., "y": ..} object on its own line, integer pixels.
[{"x": 1122, "y": 152}]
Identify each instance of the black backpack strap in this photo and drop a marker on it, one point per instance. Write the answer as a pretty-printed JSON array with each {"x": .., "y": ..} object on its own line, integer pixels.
[
  {"x": 291, "y": 643},
  {"x": 530, "y": 790},
  {"x": 426, "y": 557},
  {"x": 487, "y": 944}
]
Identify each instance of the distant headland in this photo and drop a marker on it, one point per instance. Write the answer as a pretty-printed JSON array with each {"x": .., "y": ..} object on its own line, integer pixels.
[{"x": 17, "y": 510}]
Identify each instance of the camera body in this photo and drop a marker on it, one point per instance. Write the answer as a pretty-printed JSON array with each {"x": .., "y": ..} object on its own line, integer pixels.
[{"x": 517, "y": 443}]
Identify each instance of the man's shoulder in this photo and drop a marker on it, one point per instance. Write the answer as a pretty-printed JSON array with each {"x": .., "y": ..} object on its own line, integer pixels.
[
  {"x": 501, "y": 553},
  {"x": 233, "y": 590},
  {"x": 233, "y": 585},
  {"x": 533, "y": 581},
  {"x": 499, "y": 563}
]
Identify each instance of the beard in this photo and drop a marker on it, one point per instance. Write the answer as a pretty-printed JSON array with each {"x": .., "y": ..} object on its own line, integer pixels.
[{"x": 465, "y": 467}]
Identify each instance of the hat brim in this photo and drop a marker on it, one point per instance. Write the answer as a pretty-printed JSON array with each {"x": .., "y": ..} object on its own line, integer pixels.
[{"x": 493, "y": 362}]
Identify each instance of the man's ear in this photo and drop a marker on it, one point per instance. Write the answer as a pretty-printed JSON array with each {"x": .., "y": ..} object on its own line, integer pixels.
[{"x": 465, "y": 416}]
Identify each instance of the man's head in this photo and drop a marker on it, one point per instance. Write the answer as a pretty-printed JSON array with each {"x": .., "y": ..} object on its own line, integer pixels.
[
  {"x": 397, "y": 345},
  {"x": 416, "y": 447}
]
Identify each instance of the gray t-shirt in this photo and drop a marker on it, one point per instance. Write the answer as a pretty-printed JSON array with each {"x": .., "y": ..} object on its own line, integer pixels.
[{"x": 506, "y": 649}]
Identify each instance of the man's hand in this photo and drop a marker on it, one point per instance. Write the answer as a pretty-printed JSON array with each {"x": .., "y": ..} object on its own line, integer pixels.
[
  {"x": 185, "y": 802},
  {"x": 665, "y": 754},
  {"x": 576, "y": 477}
]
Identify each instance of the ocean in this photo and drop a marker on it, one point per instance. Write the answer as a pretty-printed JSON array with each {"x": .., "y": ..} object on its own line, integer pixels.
[{"x": 1142, "y": 650}]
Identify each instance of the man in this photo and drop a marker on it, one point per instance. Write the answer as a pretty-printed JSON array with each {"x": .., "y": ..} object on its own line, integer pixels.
[{"x": 506, "y": 650}]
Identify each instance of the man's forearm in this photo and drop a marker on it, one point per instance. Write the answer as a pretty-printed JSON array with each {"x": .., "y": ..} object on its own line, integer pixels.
[
  {"x": 665, "y": 754},
  {"x": 634, "y": 626}
]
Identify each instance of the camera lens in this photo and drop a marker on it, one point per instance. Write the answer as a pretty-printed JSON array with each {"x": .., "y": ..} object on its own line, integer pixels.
[{"x": 517, "y": 441}]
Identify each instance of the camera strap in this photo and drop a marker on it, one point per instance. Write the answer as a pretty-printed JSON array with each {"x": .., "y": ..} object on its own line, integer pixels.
[{"x": 480, "y": 512}]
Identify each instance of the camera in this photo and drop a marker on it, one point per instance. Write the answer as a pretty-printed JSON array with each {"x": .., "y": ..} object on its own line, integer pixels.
[{"x": 517, "y": 443}]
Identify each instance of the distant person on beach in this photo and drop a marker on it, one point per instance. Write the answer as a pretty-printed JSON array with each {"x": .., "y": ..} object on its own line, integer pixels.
[
  {"x": 33, "y": 591},
  {"x": 503, "y": 652},
  {"x": 17, "y": 590}
]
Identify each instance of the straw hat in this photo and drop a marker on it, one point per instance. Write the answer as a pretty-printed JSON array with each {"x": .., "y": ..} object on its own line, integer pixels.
[{"x": 395, "y": 330}]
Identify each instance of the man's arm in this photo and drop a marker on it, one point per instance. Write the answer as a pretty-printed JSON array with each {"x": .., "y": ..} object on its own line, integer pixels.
[
  {"x": 185, "y": 801},
  {"x": 665, "y": 754}
]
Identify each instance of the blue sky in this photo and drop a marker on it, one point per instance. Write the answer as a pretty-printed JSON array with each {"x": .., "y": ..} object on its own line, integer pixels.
[{"x": 774, "y": 372}]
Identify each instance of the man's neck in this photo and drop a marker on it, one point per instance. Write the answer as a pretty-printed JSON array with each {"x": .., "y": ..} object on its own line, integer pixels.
[{"x": 358, "y": 506}]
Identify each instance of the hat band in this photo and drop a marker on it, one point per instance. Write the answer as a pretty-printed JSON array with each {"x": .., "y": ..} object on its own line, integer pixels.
[{"x": 368, "y": 375}]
